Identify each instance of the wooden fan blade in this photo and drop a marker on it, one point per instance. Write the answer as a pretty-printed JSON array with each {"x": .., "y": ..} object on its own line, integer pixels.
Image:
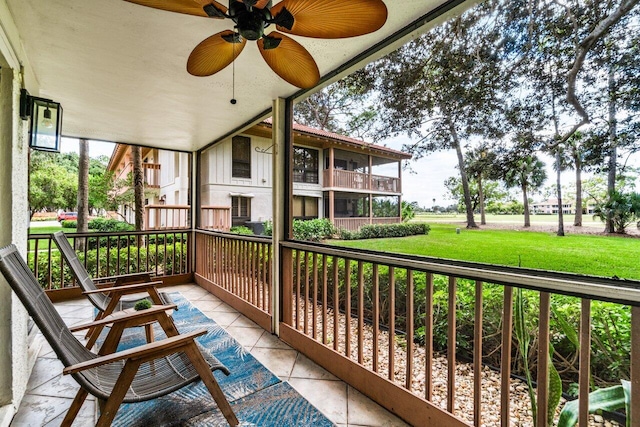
[
  {"x": 260, "y": 4},
  {"x": 291, "y": 61},
  {"x": 213, "y": 54},
  {"x": 189, "y": 7},
  {"x": 333, "y": 19}
]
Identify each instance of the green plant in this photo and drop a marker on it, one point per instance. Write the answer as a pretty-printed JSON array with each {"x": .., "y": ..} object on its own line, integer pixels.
[
  {"x": 604, "y": 399},
  {"x": 105, "y": 225},
  {"x": 142, "y": 305},
  {"x": 523, "y": 336},
  {"x": 241, "y": 229},
  {"x": 623, "y": 208},
  {"x": 67, "y": 223},
  {"x": 378, "y": 231},
  {"x": 313, "y": 229}
]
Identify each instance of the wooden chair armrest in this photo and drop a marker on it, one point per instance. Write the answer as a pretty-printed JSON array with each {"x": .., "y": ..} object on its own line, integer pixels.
[
  {"x": 135, "y": 288},
  {"x": 124, "y": 279},
  {"x": 142, "y": 351},
  {"x": 122, "y": 317}
]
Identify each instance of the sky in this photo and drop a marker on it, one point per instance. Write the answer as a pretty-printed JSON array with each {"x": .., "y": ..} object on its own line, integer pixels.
[{"x": 96, "y": 148}]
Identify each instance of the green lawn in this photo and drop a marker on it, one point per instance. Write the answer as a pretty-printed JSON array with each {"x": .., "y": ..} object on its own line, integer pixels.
[
  {"x": 42, "y": 229},
  {"x": 575, "y": 253}
]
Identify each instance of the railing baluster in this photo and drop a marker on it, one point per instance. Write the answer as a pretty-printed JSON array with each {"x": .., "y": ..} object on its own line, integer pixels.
[
  {"x": 314, "y": 306},
  {"x": 360, "y": 312},
  {"x": 543, "y": 358},
  {"x": 635, "y": 366},
  {"x": 376, "y": 317},
  {"x": 428, "y": 338},
  {"x": 306, "y": 293},
  {"x": 324, "y": 298},
  {"x": 477, "y": 357},
  {"x": 109, "y": 257},
  {"x": 409, "y": 329},
  {"x": 347, "y": 308},
  {"x": 451, "y": 346},
  {"x": 505, "y": 363},
  {"x": 392, "y": 324},
  {"x": 585, "y": 362},
  {"x": 296, "y": 304},
  {"x": 336, "y": 305}
]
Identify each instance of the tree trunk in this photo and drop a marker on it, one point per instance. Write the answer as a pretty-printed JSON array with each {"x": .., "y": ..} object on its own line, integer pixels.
[
  {"x": 613, "y": 154},
  {"x": 471, "y": 222},
  {"x": 559, "y": 188},
  {"x": 83, "y": 192},
  {"x": 577, "y": 221},
  {"x": 483, "y": 219},
  {"x": 525, "y": 201},
  {"x": 138, "y": 187}
]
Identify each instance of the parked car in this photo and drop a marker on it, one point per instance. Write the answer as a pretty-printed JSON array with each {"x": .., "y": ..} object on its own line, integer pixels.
[{"x": 68, "y": 216}]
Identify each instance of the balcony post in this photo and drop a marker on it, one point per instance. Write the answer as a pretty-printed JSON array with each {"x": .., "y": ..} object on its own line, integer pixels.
[{"x": 282, "y": 212}]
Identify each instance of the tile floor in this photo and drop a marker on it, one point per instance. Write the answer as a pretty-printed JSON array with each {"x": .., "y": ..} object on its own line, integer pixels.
[{"x": 49, "y": 394}]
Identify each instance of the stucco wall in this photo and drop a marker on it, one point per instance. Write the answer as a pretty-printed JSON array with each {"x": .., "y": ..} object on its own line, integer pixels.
[{"x": 14, "y": 217}]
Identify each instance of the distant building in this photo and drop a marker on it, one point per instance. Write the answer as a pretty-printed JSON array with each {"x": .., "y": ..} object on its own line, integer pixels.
[
  {"x": 550, "y": 206},
  {"x": 349, "y": 181}
]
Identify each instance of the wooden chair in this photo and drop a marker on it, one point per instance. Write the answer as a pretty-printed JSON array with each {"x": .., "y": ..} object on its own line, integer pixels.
[
  {"x": 128, "y": 376},
  {"x": 109, "y": 299}
]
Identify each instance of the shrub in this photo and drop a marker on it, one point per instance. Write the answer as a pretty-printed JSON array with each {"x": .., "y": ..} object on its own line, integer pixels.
[
  {"x": 142, "y": 305},
  {"x": 104, "y": 225},
  {"x": 67, "y": 223},
  {"x": 313, "y": 229},
  {"x": 241, "y": 229},
  {"x": 310, "y": 229},
  {"x": 377, "y": 231}
]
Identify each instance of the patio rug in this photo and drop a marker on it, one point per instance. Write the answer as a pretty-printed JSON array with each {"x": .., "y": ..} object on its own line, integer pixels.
[{"x": 257, "y": 396}]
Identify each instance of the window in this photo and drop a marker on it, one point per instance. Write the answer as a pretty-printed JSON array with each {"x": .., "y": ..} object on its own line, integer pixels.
[
  {"x": 241, "y": 154},
  {"x": 305, "y": 165},
  {"x": 240, "y": 210},
  {"x": 305, "y": 207}
]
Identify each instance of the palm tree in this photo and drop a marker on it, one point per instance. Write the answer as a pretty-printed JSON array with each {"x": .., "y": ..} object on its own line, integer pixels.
[
  {"x": 527, "y": 173},
  {"x": 138, "y": 186},
  {"x": 83, "y": 191}
]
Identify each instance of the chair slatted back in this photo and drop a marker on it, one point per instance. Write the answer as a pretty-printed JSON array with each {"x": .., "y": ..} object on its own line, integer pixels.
[
  {"x": 99, "y": 300},
  {"x": 17, "y": 273}
]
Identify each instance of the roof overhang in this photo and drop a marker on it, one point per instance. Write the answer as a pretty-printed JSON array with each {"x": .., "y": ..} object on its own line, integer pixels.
[{"x": 119, "y": 69}]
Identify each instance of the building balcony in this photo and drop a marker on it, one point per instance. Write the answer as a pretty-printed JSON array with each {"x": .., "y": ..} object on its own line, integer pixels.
[
  {"x": 151, "y": 175},
  {"x": 349, "y": 180},
  {"x": 358, "y": 316}
]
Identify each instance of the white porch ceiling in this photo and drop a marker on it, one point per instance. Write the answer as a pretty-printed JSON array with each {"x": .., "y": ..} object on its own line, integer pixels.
[{"x": 119, "y": 69}]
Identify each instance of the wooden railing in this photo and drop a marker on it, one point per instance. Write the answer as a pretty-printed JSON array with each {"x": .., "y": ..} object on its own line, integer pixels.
[
  {"x": 166, "y": 217},
  {"x": 385, "y": 183},
  {"x": 237, "y": 269},
  {"x": 361, "y": 181},
  {"x": 358, "y": 314},
  {"x": 353, "y": 224},
  {"x": 216, "y": 218},
  {"x": 151, "y": 175},
  {"x": 164, "y": 254}
]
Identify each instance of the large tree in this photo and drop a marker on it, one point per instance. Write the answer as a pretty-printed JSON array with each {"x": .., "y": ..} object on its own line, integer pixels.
[
  {"x": 83, "y": 191},
  {"x": 528, "y": 173},
  {"x": 138, "y": 186},
  {"x": 444, "y": 88}
]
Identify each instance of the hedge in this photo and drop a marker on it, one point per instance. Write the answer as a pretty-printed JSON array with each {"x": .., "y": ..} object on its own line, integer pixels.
[{"x": 378, "y": 231}]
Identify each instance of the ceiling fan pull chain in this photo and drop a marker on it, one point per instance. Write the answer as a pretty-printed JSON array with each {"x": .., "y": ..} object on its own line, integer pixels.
[{"x": 233, "y": 77}]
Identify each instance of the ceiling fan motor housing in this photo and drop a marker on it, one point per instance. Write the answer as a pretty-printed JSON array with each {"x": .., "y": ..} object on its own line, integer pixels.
[{"x": 250, "y": 23}]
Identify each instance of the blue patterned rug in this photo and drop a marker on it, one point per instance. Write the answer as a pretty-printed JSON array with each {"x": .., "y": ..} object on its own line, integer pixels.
[{"x": 257, "y": 396}]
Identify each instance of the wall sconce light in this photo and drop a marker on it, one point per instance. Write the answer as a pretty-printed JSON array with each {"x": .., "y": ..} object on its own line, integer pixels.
[{"x": 46, "y": 121}]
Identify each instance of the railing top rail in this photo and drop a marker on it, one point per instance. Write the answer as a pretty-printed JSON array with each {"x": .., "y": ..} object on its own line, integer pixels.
[
  {"x": 117, "y": 233},
  {"x": 620, "y": 291},
  {"x": 233, "y": 236}
]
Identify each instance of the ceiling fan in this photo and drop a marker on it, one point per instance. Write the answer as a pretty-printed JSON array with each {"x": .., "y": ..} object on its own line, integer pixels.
[{"x": 330, "y": 19}]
